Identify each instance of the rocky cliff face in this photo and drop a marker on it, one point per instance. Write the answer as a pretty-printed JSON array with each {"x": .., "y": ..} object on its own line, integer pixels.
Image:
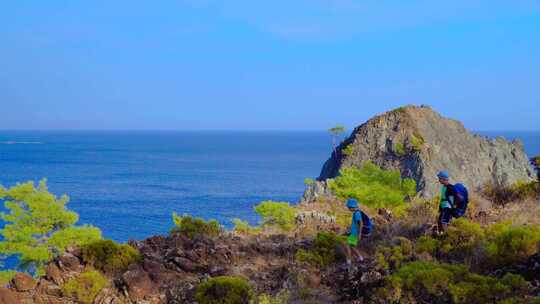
[{"x": 419, "y": 142}]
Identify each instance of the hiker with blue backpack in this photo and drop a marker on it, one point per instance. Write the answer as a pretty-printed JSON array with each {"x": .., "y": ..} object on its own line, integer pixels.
[
  {"x": 361, "y": 227},
  {"x": 453, "y": 203}
]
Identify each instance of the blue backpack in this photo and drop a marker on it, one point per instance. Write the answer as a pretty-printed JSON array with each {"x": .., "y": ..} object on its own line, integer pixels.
[
  {"x": 367, "y": 224},
  {"x": 462, "y": 200}
]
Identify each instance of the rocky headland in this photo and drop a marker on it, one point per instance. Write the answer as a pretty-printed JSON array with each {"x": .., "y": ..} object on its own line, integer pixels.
[{"x": 297, "y": 254}]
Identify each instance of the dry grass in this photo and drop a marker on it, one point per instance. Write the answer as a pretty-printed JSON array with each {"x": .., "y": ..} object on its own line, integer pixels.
[{"x": 526, "y": 212}]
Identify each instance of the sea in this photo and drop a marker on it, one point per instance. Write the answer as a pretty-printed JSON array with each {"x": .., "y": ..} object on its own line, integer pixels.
[{"x": 128, "y": 183}]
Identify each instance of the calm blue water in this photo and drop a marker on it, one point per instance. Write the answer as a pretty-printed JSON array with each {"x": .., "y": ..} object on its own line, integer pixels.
[{"x": 129, "y": 183}]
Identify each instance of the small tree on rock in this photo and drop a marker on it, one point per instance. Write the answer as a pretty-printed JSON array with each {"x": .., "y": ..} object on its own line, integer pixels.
[
  {"x": 38, "y": 226},
  {"x": 336, "y": 131}
]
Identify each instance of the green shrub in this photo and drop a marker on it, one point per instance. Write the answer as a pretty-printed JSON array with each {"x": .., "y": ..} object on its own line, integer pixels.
[
  {"x": 392, "y": 257},
  {"x": 507, "y": 244},
  {"x": 323, "y": 251},
  {"x": 502, "y": 194},
  {"x": 224, "y": 290},
  {"x": 195, "y": 226},
  {"x": 349, "y": 150},
  {"x": 373, "y": 186},
  {"x": 429, "y": 282},
  {"x": 417, "y": 141},
  {"x": 462, "y": 238},
  {"x": 277, "y": 213},
  {"x": 6, "y": 276},
  {"x": 85, "y": 287},
  {"x": 110, "y": 257},
  {"x": 280, "y": 298},
  {"x": 244, "y": 227},
  {"x": 399, "y": 148},
  {"x": 38, "y": 226},
  {"x": 308, "y": 181},
  {"x": 426, "y": 244}
]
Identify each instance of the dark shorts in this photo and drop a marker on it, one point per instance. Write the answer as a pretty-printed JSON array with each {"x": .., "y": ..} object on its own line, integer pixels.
[{"x": 445, "y": 215}]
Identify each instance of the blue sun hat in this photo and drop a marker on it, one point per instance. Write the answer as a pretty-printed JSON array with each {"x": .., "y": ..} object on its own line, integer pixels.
[
  {"x": 443, "y": 174},
  {"x": 352, "y": 203}
]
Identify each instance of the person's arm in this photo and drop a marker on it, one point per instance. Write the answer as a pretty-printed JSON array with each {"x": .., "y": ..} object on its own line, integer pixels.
[
  {"x": 360, "y": 224},
  {"x": 451, "y": 195}
]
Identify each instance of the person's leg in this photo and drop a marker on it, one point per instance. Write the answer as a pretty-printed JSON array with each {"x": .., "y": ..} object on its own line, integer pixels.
[{"x": 444, "y": 219}]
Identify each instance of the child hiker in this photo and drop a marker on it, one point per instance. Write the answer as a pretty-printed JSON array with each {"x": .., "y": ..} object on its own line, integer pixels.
[{"x": 361, "y": 227}]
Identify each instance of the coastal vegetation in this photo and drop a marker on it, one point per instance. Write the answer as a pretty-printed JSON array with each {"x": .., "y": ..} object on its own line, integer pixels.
[
  {"x": 336, "y": 132},
  {"x": 323, "y": 250},
  {"x": 38, "y": 226},
  {"x": 373, "y": 186},
  {"x": 224, "y": 290},
  {"x": 280, "y": 214},
  {"x": 195, "y": 226},
  {"x": 85, "y": 287},
  {"x": 109, "y": 256}
]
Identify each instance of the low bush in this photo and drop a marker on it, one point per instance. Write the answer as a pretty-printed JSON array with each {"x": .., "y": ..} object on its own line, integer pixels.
[
  {"x": 244, "y": 227},
  {"x": 502, "y": 195},
  {"x": 323, "y": 251},
  {"x": 85, "y": 287},
  {"x": 308, "y": 181},
  {"x": 399, "y": 148},
  {"x": 195, "y": 226},
  {"x": 508, "y": 244},
  {"x": 6, "y": 276},
  {"x": 349, "y": 150},
  {"x": 426, "y": 244},
  {"x": 280, "y": 214},
  {"x": 462, "y": 238},
  {"x": 224, "y": 290},
  {"x": 109, "y": 256},
  {"x": 373, "y": 186},
  {"x": 392, "y": 257},
  {"x": 417, "y": 141},
  {"x": 429, "y": 282},
  {"x": 280, "y": 298}
]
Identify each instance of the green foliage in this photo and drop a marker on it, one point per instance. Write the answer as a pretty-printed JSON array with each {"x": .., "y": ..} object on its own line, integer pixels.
[
  {"x": 507, "y": 244},
  {"x": 390, "y": 258},
  {"x": 109, "y": 256},
  {"x": 6, "y": 276},
  {"x": 462, "y": 237},
  {"x": 38, "y": 225},
  {"x": 349, "y": 150},
  {"x": 323, "y": 251},
  {"x": 399, "y": 148},
  {"x": 373, "y": 186},
  {"x": 193, "y": 227},
  {"x": 308, "y": 181},
  {"x": 502, "y": 195},
  {"x": 243, "y": 227},
  {"x": 426, "y": 244},
  {"x": 224, "y": 290},
  {"x": 338, "y": 129},
  {"x": 277, "y": 213},
  {"x": 280, "y": 298},
  {"x": 85, "y": 287},
  {"x": 429, "y": 282},
  {"x": 417, "y": 141}
]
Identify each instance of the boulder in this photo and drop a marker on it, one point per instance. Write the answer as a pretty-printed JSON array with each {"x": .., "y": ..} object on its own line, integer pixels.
[
  {"x": 138, "y": 283},
  {"x": 23, "y": 282},
  {"x": 53, "y": 273},
  {"x": 69, "y": 262},
  {"x": 418, "y": 142},
  {"x": 8, "y": 296}
]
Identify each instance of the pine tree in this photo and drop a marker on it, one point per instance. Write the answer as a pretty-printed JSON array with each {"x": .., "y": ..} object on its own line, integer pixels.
[{"x": 38, "y": 226}]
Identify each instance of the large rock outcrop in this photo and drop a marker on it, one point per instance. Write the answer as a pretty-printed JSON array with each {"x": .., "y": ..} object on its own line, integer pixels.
[{"x": 419, "y": 142}]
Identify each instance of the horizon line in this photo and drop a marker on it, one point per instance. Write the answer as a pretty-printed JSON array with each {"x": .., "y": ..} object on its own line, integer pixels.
[{"x": 225, "y": 130}]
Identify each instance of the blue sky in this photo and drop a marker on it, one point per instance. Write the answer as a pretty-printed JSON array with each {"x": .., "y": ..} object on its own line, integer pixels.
[{"x": 294, "y": 65}]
